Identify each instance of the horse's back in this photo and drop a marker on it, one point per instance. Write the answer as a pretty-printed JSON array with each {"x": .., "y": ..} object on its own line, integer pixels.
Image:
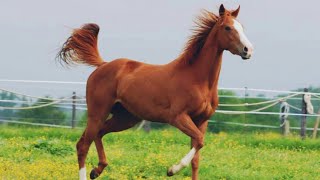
[
  {"x": 111, "y": 71},
  {"x": 143, "y": 89},
  {"x": 103, "y": 82}
]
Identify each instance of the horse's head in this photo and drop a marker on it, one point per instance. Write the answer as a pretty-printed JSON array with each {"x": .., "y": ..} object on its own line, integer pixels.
[{"x": 230, "y": 34}]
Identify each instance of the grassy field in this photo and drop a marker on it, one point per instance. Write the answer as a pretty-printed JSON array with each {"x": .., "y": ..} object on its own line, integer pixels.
[{"x": 48, "y": 153}]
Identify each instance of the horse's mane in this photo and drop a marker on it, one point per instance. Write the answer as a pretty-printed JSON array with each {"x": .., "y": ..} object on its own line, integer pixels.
[{"x": 204, "y": 24}]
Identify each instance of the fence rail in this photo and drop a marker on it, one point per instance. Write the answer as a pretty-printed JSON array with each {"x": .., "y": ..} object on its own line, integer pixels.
[{"x": 78, "y": 103}]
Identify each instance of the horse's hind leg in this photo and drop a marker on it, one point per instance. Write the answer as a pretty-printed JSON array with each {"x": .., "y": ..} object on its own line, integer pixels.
[
  {"x": 97, "y": 111},
  {"x": 102, "y": 158},
  {"x": 121, "y": 120}
]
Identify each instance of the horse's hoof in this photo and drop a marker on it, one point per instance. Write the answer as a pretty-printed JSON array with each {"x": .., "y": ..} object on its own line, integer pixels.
[
  {"x": 94, "y": 174},
  {"x": 170, "y": 173}
]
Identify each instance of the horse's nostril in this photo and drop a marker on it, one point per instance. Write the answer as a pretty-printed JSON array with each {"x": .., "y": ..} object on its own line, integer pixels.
[{"x": 245, "y": 49}]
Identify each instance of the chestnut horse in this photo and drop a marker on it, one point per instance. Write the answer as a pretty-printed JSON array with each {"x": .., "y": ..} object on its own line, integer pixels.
[{"x": 182, "y": 93}]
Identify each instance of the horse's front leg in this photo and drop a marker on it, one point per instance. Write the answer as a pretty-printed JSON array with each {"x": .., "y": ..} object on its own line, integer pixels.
[
  {"x": 187, "y": 126},
  {"x": 195, "y": 161}
]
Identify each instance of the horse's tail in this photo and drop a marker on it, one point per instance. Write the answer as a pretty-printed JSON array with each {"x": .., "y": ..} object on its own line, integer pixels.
[{"x": 81, "y": 47}]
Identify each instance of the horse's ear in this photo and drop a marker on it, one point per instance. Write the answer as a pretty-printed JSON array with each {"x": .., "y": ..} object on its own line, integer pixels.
[
  {"x": 235, "y": 12},
  {"x": 222, "y": 10}
]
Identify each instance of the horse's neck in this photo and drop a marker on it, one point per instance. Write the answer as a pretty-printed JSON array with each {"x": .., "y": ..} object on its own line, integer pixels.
[
  {"x": 205, "y": 69},
  {"x": 207, "y": 66}
]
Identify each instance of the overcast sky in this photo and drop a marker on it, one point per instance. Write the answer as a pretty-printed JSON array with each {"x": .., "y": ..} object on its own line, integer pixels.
[{"x": 285, "y": 34}]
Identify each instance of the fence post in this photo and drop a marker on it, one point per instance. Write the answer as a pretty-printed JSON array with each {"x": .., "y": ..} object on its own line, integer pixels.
[
  {"x": 303, "y": 118},
  {"x": 284, "y": 122},
  {"x": 73, "y": 123}
]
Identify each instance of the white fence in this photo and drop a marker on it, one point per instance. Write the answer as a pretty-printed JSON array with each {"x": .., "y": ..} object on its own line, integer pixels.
[{"x": 74, "y": 103}]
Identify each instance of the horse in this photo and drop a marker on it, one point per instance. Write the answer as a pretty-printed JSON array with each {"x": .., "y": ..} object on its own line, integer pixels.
[{"x": 182, "y": 93}]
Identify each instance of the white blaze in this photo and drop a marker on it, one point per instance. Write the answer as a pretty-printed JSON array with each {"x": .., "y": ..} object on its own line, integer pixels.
[{"x": 243, "y": 38}]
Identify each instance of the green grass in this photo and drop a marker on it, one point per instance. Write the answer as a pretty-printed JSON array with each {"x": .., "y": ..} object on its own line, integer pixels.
[{"x": 48, "y": 153}]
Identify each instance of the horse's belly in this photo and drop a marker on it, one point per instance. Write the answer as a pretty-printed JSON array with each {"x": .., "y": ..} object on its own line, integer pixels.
[
  {"x": 146, "y": 109},
  {"x": 146, "y": 103}
]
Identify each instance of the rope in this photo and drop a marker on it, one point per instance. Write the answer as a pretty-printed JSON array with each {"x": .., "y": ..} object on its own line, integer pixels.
[
  {"x": 18, "y": 101},
  {"x": 33, "y": 118},
  {"x": 210, "y": 121},
  {"x": 47, "y": 82},
  {"x": 265, "y": 113},
  {"x": 84, "y": 83},
  {"x": 35, "y": 124},
  {"x": 267, "y": 90},
  {"x": 227, "y": 105},
  {"x": 30, "y": 107},
  {"x": 36, "y": 97},
  {"x": 245, "y": 124},
  {"x": 264, "y": 98},
  {"x": 259, "y": 103},
  {"x": 256, "y": 125},
  {"x": 260, "y": 90},
  {"x": 263, "y": 108},
  {"x": 316, "y": 96},
  {"x": 40, "y": 106},
  {"x": 245, "y": 112},
  {"x": 68, "y": 107},
  {"x": 294, "y": 107}
]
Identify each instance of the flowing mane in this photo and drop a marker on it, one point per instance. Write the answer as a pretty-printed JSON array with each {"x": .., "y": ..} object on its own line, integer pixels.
[{"x": 204, "y": 24}]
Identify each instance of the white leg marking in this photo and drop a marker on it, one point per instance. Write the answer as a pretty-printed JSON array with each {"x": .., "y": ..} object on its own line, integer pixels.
[
  {"x": 184, "y": 162},
  {"x": 82, "y": 174}
]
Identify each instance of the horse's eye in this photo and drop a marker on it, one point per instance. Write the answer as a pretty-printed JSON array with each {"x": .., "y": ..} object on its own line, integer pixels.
[{"x": 227, "y": 28}]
